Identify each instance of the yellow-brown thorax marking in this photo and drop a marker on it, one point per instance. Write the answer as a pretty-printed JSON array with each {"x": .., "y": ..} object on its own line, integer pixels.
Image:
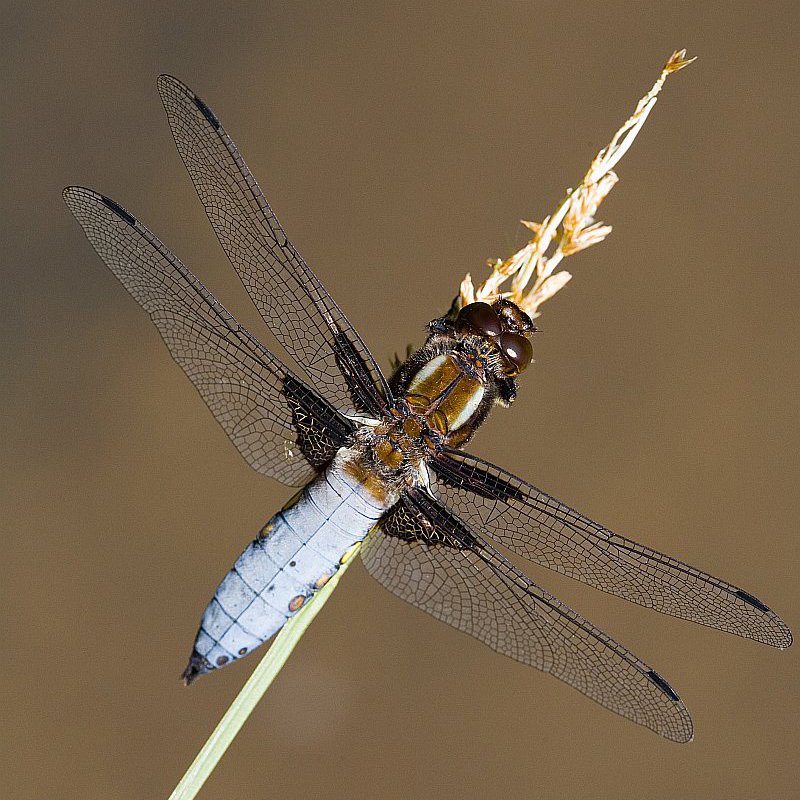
[
  {"x": 372, "y": 483},
  {"x": 445, "y": 394}
]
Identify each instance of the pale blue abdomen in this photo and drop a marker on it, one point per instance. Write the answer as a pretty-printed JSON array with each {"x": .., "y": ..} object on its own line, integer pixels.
[{"x": 294, "y": 555}]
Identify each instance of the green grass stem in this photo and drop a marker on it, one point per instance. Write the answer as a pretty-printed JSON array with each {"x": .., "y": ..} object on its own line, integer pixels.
[{"x": 258, "y": 683}]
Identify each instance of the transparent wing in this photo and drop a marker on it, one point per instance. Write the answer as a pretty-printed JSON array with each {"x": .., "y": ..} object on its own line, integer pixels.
[
  {"x": 422, "y": 553},
  {"x": 255, "y": 398},
  {"x": 542, "y": 529},
  {"x": 293, "y": 302}
]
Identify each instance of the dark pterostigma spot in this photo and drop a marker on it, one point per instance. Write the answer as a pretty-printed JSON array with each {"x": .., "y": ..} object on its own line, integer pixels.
[
  {"x": 118, "y": 210},
  {"x": 207, "y": 113},
  {"x": 663, "y": 685},
  {"x": 753, "y": 601}
]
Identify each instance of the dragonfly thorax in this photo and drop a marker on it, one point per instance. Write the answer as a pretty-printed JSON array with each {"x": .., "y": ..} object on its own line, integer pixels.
[
  {"x": 449, "y": 389},
  {"x": 469, "y": 362},
  {"x": 390, "y": 453}
]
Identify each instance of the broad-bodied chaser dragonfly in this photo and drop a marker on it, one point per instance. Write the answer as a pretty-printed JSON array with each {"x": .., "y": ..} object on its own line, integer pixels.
[{"x": 381, "y": 461}]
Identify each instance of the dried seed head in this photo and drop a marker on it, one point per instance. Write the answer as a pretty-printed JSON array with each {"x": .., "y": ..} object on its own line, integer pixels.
[
  {"x": 572, "y": 227},
  {"x": 677, "y": 61}
]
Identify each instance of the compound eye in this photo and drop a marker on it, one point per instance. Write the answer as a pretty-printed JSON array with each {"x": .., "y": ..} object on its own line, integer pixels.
[
  {"x": 481, "y": 318},
  {"x": 517, "y": 351}
]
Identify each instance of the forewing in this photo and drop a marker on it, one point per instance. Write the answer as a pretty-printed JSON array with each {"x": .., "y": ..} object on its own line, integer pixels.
[
  {"x": 303, "y": 316},
  {"x": 461, "y": 580},
  {"x": 250, "y": 392},
  {"x": 540, "y": 528}
]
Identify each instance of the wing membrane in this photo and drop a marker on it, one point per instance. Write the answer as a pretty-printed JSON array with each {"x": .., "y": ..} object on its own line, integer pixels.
[
  {"x": 424, "y": 554},
  {"x": 293, "y": 302},
  {"x": 542, "y": 529},
  {"x": 250, "y": 392}
]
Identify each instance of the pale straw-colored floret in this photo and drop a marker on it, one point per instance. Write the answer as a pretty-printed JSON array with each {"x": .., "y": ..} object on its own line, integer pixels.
[{"x": 569, "y": 229}]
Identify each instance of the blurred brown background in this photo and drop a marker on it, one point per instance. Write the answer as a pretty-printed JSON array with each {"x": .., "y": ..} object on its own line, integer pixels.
[{"x": 400, "y": 144}]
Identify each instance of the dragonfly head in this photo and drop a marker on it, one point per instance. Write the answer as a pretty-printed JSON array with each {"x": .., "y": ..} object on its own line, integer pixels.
[
  {"x": 505, "y": 327},
  {"x": 469, "y": 363}
]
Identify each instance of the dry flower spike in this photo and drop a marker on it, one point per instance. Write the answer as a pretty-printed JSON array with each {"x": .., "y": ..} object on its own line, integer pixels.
[{"x": 572, "y": 227}]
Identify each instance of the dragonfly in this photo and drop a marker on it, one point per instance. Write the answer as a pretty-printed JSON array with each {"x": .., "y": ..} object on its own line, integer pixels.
[{"x": 381, "y": 461}]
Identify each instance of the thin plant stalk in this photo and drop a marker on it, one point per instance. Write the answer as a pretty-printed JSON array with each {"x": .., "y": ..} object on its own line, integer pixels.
[{"x": 258, "y": 683}]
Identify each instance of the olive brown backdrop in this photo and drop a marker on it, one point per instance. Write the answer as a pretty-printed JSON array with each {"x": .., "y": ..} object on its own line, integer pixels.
[{"x": 400, "y": 144}]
